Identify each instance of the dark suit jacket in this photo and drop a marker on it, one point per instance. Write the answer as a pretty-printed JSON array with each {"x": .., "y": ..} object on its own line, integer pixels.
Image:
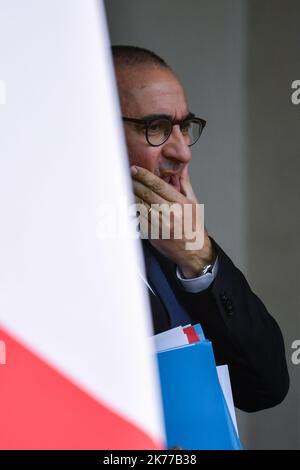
[{"x": 243, "y": 333}]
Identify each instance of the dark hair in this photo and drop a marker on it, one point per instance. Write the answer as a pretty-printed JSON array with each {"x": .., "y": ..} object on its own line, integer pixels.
[{"x": 132, "y": 55}]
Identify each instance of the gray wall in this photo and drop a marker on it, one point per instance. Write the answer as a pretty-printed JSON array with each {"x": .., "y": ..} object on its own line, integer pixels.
[
  {"x": 273, "y": 192},
  {"x": 237, "y": 59}
]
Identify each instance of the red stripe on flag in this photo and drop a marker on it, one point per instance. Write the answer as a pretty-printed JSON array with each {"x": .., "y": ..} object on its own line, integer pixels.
[{"x": 42, "y": 409}]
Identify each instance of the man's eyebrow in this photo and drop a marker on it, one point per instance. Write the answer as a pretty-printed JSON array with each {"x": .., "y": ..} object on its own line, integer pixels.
[{"x": 150, "y": 117}]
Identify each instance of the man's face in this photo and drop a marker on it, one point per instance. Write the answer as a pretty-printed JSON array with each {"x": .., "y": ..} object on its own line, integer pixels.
[{"x": 149, "y": 90}]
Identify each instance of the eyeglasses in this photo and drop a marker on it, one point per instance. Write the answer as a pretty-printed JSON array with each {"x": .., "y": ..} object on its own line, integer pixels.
[{"x": 159, "y": 128}]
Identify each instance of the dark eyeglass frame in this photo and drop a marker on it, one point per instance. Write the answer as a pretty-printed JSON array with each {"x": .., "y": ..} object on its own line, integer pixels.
[{"x": 148, "y": 121}]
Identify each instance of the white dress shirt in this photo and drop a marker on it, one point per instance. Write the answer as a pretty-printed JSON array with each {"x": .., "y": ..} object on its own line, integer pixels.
[{"x": 200, "y": 283}]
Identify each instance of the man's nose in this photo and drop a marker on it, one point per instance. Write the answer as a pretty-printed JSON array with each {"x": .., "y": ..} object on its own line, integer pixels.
[{"x": 176, "y": 146}]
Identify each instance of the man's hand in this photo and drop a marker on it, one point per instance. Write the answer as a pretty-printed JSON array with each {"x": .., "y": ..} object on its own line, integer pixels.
[{"x": 150, "y": 189}]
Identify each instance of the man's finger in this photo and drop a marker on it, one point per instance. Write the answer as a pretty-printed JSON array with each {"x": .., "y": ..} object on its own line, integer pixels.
[
  {"x": 156, "y": 184},
  {"x": 147, "y": 194},
  {"x": 186, "y": 185}
]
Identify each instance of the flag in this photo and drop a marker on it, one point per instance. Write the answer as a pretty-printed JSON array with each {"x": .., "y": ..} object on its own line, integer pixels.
[{"x": 77, "y": 369}]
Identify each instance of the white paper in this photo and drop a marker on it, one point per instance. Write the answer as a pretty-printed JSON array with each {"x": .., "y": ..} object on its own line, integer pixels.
[
  {"x": 224, "y": 379},
  {"x": 169, "y": 339}
]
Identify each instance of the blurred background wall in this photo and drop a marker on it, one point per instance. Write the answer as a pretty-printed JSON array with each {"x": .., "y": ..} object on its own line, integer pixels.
[{"x": 237, "y": 60}]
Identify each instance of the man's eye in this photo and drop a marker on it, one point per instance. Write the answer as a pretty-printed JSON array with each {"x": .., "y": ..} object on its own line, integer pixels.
[
  {"x": 153, "y": 128},
  {"x": 159, "y": 127},
  {"x": 185, "y": 127}
]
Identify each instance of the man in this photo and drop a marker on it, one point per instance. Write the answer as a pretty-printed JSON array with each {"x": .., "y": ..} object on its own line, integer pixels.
[{"x": 199, "y": 285}]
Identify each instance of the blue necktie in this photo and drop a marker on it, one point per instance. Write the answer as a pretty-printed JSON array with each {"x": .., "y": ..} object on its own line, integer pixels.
[{"x": 157, "y": 278}]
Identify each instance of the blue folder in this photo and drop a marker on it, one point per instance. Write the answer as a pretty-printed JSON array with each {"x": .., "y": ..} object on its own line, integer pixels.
[{"x": 195, "y": 411}]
